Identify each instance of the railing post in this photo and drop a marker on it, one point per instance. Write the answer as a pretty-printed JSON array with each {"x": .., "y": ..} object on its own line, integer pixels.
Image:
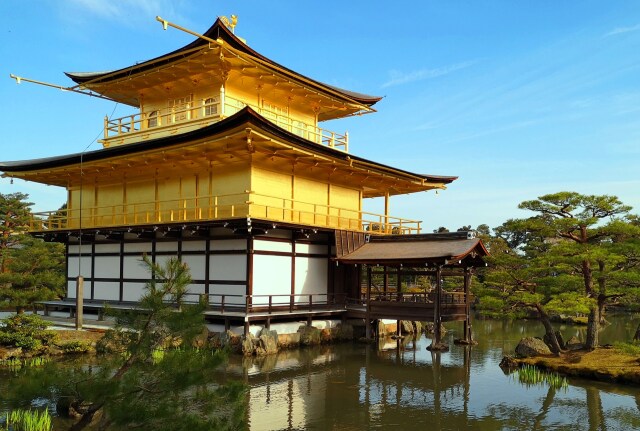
[
  {"x": 222, "y": 101},
  {"x": 222, "y": 304},
  {"x": 310, "y": 302},
  {"x": 270, "y": 302},
  {"x": 346, "y": 142},
  {"x": 106, "y": 126}
]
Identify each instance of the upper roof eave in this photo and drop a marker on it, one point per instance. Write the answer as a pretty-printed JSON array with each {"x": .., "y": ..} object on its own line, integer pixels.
[
  {"x": 217, "y": 31},
  {"x": 246, "y": 116}
]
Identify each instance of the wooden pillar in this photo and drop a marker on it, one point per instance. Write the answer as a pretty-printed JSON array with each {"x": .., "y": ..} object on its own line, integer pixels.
[
  {"x": 79, "y": 301},
  {"x": 387, "y": 229},
  {"x": 437, "y": 318},
  {"x": 468, "y": 336},
  {"x": 368, "y": 300}
]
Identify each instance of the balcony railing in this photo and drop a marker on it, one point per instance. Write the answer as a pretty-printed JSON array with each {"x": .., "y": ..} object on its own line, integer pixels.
[
  {"x": 222, "y": 207},
  {"x": 148, "y": 125}
]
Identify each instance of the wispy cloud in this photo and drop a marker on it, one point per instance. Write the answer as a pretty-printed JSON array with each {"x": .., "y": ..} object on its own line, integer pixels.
[
  {"x": 621, "y": 30},
  {"x": 400, "y": 78},
  {"x": 125, "y": 11}
]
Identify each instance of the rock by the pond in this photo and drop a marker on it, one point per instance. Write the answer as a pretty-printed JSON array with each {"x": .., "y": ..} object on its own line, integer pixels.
[
  {"x": 10, "y": 352},
  {"x": 407, "y": 326},
  {"x": 573, "y": 343},
  {"x": 266, "y": 343},
  {"x": 438, "y": 347},
  {"x": 429, "y": 327},
  {"x": 531, "y": 346},
  {"x": 508, "y": 364},
  {"x": 309, "y": 335},
  {"x": 248, "y": 346}
]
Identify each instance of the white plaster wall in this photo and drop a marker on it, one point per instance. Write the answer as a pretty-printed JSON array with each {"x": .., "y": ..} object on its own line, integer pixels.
[
  {"x": 71, "y": 289},
  {"x": 133, "y": 291},
  {"x": 107, "y": 290},
  {"x": 75, "y": 249},
  {"x": 197, "y": 265},
  {"x": 228, "y": 267},
  {"x": 167, "y": 246},
  {"x": 107, "y": 267},
  {"x": 106, "y": 248},
  {"x": 140, "y": 247},
  {"x": 262, "y": 245},
  {"x": 85, "y": 269},
  {"x": 134, "y": 267},
  {"x": 311, "y": 248},
  {"x": 311, "y": 278},
  {"x": 228, "y": 244},
  {"x": 217, "y": 290},
  {"x": 271, "y": 276},
  {"x": 194, "y": 245}
]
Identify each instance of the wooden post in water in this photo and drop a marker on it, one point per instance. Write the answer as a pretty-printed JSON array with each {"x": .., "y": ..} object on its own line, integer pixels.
[
  {"x": 437, "y": 318},
  {"x": 368, "y": 305},
  {"x": 467, "y": 307},
  {"x": 79, "y": 301}
]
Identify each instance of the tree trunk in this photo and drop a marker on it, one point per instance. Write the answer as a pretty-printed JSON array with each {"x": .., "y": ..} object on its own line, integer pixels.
[
  {"x": 636, "y": 337},
  {"x": 593, "y": 326},
  {"x": 546, "y": 322}
]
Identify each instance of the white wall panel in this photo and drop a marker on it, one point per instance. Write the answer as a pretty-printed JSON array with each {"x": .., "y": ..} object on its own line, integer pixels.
[
  {"x": 85, "y": 269},
  {"x": 109, "y": 291},
  {"x": 228, "y": 267},
  {"x": 196, "y": 265},
  {"x": 134, "y": 267},
  {"x": 311, "y": 248},
  {"x": 194, "y": 290},
  {"x": 229, "y": 244},
  {"x": 107, "y": 248},
  {"x": 271, "y": 276},
  {"x": 217, "y": 290},
  {"x": 71, "y": 289},
  {"x": 263, "y": 245},
  {"x": 139, "y": 247},
  {"x": 193, "y": 245},
  {"x": 75, "y": 249},
  {"x": 133, "y": 291},
  {"x": 107, "y": 267},
  {"x": 167, "y": 246},
  {"x": 311, "y": 278}
]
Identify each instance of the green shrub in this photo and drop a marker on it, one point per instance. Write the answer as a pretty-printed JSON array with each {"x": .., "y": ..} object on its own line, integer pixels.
[
  {"x": 75, "y": 347},
  {"x": 27, "y": 420},
  {"x": 25, "y": 330}
]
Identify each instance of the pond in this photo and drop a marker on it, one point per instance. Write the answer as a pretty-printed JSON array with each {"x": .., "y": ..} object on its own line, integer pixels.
[
  {"x": 357, "y": 386},
  {"x": 354, "y": 387}
]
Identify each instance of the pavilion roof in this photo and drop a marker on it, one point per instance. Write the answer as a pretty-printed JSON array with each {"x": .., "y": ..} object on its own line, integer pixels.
[
  {"x": 102, "y": 82},
  {"x": 453, "y": 249},
  {"x": 214, "y": 144}
]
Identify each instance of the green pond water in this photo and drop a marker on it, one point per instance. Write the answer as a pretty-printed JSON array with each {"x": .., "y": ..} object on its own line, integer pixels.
[{"x": 359, "y": 387}]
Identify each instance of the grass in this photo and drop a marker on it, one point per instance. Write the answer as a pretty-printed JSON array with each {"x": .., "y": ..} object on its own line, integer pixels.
[
  {"x": 14, "y": 364},
  {"x": 530, "y": 375},
  {"x": 628, "y": 348},
  {"x": 612, "y": 365},
  {"x": 27, "y": 420}
]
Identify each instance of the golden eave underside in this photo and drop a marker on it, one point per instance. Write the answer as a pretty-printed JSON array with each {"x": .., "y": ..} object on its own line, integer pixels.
[
  {"x": 227, "y": 150},
  {"x": 212, "y": 65}
]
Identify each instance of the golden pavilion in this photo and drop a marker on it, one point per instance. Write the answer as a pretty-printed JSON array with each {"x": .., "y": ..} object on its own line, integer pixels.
[{"x": 225, "y": 163}]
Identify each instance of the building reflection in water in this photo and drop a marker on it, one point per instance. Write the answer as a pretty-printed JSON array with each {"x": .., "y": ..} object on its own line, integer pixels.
[{"x": 358, "y": 387}]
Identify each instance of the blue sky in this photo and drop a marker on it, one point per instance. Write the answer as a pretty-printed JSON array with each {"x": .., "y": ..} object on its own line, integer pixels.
[{"x": 518, "y": 99}]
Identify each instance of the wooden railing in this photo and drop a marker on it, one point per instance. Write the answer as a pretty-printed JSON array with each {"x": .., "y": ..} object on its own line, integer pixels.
[
  {"x": 151, "y": 124},
  {"x": 220, "y": 207},
  {"x": 269, "y": 304},
  {"x": 422, "y": 297}
]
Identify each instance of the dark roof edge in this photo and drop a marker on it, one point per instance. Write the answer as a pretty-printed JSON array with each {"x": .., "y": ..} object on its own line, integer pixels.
[{"x": 246, "y": 115}]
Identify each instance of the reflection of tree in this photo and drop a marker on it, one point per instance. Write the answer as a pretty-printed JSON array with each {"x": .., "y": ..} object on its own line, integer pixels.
[
  {"x": 544, "y": 410},
  {"x": 594, "y": 408}
]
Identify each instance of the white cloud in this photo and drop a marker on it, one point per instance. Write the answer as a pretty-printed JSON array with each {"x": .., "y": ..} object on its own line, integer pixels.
[
  {"x": 125, "y": 11},
  {"x": 621, "y": 30},
  {"x": 399, "y": 78}
]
